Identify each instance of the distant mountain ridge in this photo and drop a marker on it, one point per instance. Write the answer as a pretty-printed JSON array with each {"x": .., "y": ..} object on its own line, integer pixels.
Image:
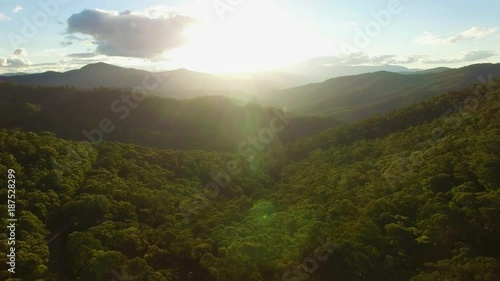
[
  {"x": 431, "y": 70},
  {"x": 319, "y": 72},
  {"x": 356, "y": 97},
  {"x": 184, "y": 83},
  {"x": 13, "y": 74},
  {"x": 347, "y": 98},
  {"x": 181, "y": 83}
]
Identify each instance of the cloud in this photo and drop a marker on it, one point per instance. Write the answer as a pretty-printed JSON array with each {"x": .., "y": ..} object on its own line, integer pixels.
[
  {"x": 473, "y": 33},
  {"x": 82, "y": 55},
  {"x": 20, "y": 52},
  {"x": 14, "y": 62},
  {"x": 129, "y": 34},
  {"x": 65, "y": 43},
  {"x": 463, "y": 57},
  {"x": 360, "y": 58},
  {"x": 70, "y": 39},
  {"x": 3, "y": 17},
  {"x": 62, "y": 65},
  {"x": 17, "y": 9},
  {"x": 364, "y": 59}
]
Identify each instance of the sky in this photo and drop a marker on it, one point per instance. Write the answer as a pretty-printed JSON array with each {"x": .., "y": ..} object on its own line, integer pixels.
[{"x": 233, "y": 36}]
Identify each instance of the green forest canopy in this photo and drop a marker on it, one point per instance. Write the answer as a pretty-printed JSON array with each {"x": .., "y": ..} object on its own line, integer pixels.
[{"x": 409, "y": 195}]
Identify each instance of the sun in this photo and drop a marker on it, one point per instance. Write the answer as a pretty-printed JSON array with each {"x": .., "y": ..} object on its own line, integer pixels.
[{"x": 257, "y": 36}]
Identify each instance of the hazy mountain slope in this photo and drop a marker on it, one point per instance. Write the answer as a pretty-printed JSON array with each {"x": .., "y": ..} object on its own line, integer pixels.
[
  {"x": 181, "y": 83},
  {"x": 361, "y": 96},
  {"x": 13, "y": 74},
  {"x": 93, "y": 75},
  {"x": 319, "y": 72},
  {"x": 432, "y": 70},
  {"x": 210, "y": 123}
]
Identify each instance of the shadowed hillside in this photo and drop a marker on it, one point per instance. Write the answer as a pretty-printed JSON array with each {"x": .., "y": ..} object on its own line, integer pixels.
[
  {"x": 209, "y": 123},
  {"x": 356, "y": 97}
]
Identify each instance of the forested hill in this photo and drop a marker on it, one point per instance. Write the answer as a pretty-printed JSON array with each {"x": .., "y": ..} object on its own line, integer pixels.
[
  {"x": 405, "y": 196},
  {"x": 180, "y": 83},
  {"x": 353, "y": 98},
  {"x": 208, "y": 123}
]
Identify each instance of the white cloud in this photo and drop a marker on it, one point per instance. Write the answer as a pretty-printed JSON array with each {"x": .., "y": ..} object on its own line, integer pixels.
[
  {"x": 365, "y": 59},
  {"x": 82, "y": 55},
  {"x": 356, "y": 59},
  {"x": 478, "y": 32},
  {"x": 473, "y": 33},
  {"x": 3, "y": 17},
  {"x": 131, "y": 34},
  {"x": 17, "y": 9},
  {"x": 20, "y": 52},
  {"x": 14, "y": 62},
  {"x": 463, "y": 57}
]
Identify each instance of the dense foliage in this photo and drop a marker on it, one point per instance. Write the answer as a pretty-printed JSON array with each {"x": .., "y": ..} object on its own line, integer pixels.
[
  {"x": 411, "y": 195},
  {"x": 208, "y": 123}
]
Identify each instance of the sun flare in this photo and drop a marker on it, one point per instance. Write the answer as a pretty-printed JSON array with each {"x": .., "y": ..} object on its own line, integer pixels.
[{"x": 259, "y": 37}]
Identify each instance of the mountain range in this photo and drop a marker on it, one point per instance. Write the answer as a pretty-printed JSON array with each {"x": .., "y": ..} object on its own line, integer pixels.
[
  {"x": 346, "y": 98},
  {"x": 180, "y": 83},
  {"x": 318, "y": 72},
  {"x": 360, "y": 96}
]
